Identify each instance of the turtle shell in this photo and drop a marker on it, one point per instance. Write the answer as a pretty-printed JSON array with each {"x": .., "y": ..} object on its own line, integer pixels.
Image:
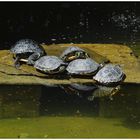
[
  {"x": 71, "y": 49},
  {"x": 48, "y": 63},
  {"x": 81, "y": 90},
  {"x": 82, "y": 87},
  {"x": 110, "y": 74},
  {"x": 25, "y": 46},
  {"x": 83, "y": 67}
]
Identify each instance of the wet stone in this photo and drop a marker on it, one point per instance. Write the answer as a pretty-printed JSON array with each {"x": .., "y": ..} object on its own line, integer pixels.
[{"x": 101, "y": 53}]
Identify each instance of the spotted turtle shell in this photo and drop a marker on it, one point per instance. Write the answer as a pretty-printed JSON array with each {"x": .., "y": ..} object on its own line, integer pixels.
[
  {"x": 110, "y": 74},
  {"x": 26, "y": 45}
]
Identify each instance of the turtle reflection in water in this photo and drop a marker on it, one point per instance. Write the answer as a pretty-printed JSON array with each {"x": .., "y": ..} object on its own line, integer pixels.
[
  {"x": 103, "y": 91},
  {"x": 26, "y": 50},
  {"x": 91, "y": 91},
  {"x": 78, "y": 88}
]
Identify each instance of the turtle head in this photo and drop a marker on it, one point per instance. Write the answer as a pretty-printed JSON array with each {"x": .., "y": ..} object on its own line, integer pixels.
[
  {"x": 103, "y": 63},
  {"x": 76, "y": 55},
  {"x": 62, "y": 68},
  {"x": 81, "y": 55},
  {"x": 115, "y": 90}
]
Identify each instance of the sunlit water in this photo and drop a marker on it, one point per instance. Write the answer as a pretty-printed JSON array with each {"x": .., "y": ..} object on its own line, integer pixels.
[{"x": 57, "y": 112}]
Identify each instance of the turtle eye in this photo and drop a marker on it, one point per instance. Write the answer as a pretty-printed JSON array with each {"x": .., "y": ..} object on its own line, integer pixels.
[{"x": 78, "y": 54}]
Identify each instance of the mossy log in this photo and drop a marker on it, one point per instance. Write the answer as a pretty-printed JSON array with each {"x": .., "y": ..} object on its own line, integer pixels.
[{"x": 116, "y": 54}]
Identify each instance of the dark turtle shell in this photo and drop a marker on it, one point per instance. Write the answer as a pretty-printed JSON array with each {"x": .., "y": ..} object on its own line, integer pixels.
[
  {"x": 26, "y": 46},
  {"x": 81, "y": 90},
  {"x": 83, "y": 87}
]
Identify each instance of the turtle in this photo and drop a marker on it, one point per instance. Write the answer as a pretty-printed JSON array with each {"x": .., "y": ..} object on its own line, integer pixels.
[
  {"x": 82, "y": 67},
  {"x": 26, "y": 50},
  {"x": 103, "y": 91},
  {"x": 76, "y": 88},
  {"x": 110, "y": 75},
  {"x": 72, "y": 53},
  {"x": 50, "y": 65},
  {"x": 83, "y": 87}
]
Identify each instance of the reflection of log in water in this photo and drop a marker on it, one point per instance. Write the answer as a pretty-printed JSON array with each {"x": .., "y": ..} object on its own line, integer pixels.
[{"x": 19, "y": 101}]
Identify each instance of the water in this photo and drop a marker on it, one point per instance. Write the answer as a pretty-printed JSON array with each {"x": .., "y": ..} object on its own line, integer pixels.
[{"x": 62, "y": 112}]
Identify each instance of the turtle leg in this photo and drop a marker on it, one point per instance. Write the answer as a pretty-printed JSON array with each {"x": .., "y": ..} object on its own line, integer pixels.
[
  {"x": 17, "y": 62},
  {"x": 90, "y": 98},
  {"x": 32, "y": 58}
]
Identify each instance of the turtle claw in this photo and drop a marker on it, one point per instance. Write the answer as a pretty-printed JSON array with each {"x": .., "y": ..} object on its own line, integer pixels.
[
  {"x": 16, "y": 62},
  {"x": 17, "y": 65},
  {"x": 90, "y": 98}
]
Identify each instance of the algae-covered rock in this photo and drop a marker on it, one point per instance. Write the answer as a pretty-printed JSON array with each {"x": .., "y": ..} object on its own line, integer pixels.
[{"x": 116, "y": 54}]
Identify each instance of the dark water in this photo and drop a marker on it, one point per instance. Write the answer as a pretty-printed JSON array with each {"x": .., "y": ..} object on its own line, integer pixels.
[
  {"x": 66, "y": 22},
  {"x": 40, "y": 112}
]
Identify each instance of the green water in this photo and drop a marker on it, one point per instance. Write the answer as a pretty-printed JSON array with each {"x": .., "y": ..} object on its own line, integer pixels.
[{"x": 49, "y": 112}]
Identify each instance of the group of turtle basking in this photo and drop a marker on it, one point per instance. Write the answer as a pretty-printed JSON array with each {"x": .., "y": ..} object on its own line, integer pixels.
[{"x": 74, "y": 61}]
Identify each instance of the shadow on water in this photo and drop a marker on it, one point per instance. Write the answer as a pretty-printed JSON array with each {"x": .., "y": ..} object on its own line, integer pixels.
[{"x": 71, "y": 100}]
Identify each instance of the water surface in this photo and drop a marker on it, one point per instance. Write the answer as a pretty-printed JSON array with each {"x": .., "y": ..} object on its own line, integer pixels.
[{"x": 49, "y": 112}]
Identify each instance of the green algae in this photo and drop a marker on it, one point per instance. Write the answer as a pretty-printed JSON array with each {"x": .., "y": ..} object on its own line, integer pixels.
[
  {"x": 65, "y": 127},
  {"x": 53, "y": 127}
]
